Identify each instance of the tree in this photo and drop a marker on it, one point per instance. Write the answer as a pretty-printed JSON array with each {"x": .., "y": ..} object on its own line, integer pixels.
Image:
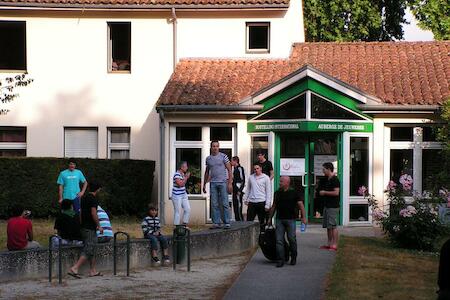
[
  {"x": 8, "y": 87},
  {"x": 433, "y": 15},
  {"x": 354, "y": 20}
]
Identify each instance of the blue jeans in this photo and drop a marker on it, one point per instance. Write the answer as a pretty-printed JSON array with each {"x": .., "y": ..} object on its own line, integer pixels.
[
  {"x": 154, "y": 239},
  {"x": 76, "y": 204},
  {"x": 286, "y": 226},
  {"x": 219, "y": 200}
]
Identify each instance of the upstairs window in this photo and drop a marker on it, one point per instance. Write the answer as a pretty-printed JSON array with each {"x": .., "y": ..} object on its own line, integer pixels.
[
  {"x": 13, "y": 141},
  {"x": 119, "y": 142},
  {"x": 13, "y": 54},
  {"x": 119, "y": 47},
  {"x": 258, "y": 37},
  {"x": 81, "y": 142}
]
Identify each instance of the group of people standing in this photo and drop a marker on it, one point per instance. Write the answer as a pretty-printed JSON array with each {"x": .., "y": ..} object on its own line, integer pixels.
[{"x": 228, "y": 177}]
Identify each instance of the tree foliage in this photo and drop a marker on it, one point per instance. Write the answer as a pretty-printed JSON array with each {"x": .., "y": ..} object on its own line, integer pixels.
[
  {"x": 8, "y": 86},
  {"x": 433, "y": 15},
  {"x": 354, "y": 20}
]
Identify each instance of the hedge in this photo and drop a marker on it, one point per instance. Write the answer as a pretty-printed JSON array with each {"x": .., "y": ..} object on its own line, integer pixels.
[{"x": 127, "y": 184}]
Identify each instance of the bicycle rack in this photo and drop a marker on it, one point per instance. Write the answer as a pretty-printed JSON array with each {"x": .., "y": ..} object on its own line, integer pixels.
[
  {"x": 115, "y": 251},
  {"x": 50, "y": 258},
  {"x": 175, "y": 240}
]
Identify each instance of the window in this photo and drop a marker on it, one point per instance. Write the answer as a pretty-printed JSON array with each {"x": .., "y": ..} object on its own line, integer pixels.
[
  {"x": 221, "y": 133},
  {"x": 259, "y": 143},
  {"x": 402, "y": 134},
  {"x": 359, "y": 164},
  {"x": 189, "y": 133},
  {"x": 80, "y": 142},
  {"x": 414, "y": 151},
  {"x": 294, "y": 109},
  {"x": 258, "y": 37},
  {"x": 13, "y": 52},
  {"x": 359, "y": 212},
  {"x": 431, "y": 164},
  {"x": 401, "y": 163},
  {"x": 324, "y": 109},
  {"x": 191, "y": 143},
  {"x": 193, "y": 156},
  {"x": 429, "y": 134},
  {"x": 119, "y": 46},
  {"x": 119, "y": 143},
  {"x": 13, "y": 141}
]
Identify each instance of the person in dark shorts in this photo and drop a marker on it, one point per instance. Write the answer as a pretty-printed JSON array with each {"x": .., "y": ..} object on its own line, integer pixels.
[
  {"x": 238, "y": 188},
  {"x": 328, "y": 190},
  {"x": 287, "y": 202},
  {"x": 89, "y": 225},
  {"x": 266, "y": 165}
]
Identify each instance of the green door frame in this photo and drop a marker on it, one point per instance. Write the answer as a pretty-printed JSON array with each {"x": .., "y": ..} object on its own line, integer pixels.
[
  {"x": 310, "y": 126},
  {"x": 309, "y": 168}
]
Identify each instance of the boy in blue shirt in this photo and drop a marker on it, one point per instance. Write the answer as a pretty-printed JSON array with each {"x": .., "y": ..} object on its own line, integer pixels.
[{"x": 69, "y": 185}]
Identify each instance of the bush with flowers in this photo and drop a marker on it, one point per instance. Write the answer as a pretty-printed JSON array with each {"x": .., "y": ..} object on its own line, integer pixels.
[{"x": 409, "y": 220}]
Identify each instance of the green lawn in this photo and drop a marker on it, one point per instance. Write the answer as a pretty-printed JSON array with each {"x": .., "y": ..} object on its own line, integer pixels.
[
  {"x": 370, "y": 268},
  {"x": 43, "y": 228}
]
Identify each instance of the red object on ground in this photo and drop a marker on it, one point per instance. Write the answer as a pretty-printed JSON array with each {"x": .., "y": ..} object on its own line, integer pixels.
[{"x": 17, "y": 230}]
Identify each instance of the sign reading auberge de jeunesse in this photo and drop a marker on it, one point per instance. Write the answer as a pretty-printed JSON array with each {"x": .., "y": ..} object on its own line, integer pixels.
[{"x": 310, "y": 126}]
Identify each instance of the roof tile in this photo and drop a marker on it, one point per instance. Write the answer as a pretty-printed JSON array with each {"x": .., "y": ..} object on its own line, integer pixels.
[
  {"x": 149, "y": 3},
  {"x": 395, "y": 72}
]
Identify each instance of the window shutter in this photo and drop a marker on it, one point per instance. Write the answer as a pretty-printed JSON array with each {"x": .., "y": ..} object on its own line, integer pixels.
[{"x": 80, "y": 143}]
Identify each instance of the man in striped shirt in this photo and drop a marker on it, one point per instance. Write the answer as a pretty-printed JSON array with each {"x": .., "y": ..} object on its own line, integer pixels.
[
  {"x": 151, "y": 227},
  {"x": 179, "y": 195},
  {"x": 103, "y": 219}
]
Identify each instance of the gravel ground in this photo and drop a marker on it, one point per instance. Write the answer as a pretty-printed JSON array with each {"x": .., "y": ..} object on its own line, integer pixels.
[{"x": 208, "y": 279}]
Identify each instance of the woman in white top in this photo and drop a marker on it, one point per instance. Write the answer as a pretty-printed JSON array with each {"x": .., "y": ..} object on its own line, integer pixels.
[{"x": 179, "y": 195}]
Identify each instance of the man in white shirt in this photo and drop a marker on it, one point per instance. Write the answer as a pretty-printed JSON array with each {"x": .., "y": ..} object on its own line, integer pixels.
[{"x": 258, "y": 196}]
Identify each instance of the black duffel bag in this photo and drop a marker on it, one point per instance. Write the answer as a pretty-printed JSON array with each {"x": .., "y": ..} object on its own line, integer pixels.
[{"x": 267, "y": 242}]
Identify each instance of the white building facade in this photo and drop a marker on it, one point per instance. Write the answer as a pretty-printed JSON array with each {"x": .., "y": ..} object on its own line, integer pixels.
[{"x": 98, "y": 69}]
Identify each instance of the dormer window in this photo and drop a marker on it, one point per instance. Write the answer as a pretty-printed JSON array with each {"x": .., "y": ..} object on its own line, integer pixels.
[{"x": 258, "y": 37}]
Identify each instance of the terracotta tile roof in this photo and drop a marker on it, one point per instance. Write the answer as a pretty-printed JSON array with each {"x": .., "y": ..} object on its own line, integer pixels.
[
  {"x": 148, "y": 3},
  {"x": 395, "y": 72}
]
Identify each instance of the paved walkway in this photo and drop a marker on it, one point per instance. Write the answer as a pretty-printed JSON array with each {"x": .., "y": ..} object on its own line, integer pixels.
[{"x": 262, "y": 280}]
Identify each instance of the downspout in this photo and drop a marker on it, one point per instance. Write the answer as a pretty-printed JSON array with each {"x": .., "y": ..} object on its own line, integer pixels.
[
  {"x": 174, "y": 37},
  {"x": 162, "y": 164}
]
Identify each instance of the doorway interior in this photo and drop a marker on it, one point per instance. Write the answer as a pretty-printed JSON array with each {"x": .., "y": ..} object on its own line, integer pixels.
[{"x": 301, "y": 156}]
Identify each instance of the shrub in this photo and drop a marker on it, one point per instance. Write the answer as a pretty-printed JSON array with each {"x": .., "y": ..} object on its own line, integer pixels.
[
  {"x": 127, "y": 184},
  {"x": 411, "y": 220}
]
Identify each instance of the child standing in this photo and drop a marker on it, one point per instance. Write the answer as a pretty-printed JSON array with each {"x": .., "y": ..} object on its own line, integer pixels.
[{"x": 151, "y": 227}]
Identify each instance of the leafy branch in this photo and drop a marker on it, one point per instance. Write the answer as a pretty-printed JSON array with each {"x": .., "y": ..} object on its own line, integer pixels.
[{"x": 8, "y": 87}]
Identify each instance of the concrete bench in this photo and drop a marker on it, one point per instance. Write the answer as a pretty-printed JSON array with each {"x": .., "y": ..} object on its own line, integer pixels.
[{"x": 28, "y": 264}]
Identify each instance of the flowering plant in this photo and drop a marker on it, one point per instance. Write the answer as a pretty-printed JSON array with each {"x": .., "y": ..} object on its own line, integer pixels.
[{"x": 409, "y": 222}]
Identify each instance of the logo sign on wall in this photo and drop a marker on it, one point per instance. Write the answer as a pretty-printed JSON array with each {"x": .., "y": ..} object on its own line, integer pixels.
[{"x": 292, "y": 166}]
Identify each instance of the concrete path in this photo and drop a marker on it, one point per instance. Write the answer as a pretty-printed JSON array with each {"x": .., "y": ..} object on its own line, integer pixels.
[{"x": 306, "y": 280}]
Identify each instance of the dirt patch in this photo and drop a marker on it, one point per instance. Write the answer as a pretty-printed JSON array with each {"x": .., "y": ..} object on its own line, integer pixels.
[{"x": 208, "y": 279}]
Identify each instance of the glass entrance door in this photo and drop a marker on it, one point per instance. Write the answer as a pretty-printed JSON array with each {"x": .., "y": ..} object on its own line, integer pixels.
[{"x": 301, "y": 157}]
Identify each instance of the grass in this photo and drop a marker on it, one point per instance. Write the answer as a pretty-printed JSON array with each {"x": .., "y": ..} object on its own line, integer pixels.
[
  {"x": 370, "y": 268},
  {"x": 43, "y": 228}
]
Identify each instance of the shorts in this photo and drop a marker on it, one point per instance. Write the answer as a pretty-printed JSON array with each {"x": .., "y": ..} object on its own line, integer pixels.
[
  {"x": 90, "y": 241},
  {"x": 330, "y": 217}
]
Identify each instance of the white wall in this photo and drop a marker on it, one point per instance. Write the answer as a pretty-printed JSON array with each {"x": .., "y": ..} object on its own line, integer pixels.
[{"x": 67, "y": 58}]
